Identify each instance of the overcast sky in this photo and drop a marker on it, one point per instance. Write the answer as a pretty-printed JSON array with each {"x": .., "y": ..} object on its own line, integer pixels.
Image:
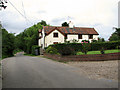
[{"x": 100, "y": 14}]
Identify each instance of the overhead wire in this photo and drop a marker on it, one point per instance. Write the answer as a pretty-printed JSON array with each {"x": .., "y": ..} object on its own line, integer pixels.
[
  {"x": 23, "y": 9},
  {"x": 19, "y": 12}
]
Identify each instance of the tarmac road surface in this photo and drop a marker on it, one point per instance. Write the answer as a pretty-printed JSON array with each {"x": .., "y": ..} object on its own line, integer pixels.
[{"x": 37, "y": 72}]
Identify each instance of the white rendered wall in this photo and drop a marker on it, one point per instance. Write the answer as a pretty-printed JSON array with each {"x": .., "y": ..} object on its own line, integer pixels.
[
  {"x": 71, "y": 37},
  {"x": 49, "y": 39}
]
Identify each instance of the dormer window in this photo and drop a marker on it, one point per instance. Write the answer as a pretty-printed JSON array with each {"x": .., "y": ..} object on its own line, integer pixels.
[{"x": 55, "y": 35}]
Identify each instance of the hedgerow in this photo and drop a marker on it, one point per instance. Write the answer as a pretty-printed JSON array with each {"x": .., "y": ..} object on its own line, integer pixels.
[{"x": 73, "y": 48}]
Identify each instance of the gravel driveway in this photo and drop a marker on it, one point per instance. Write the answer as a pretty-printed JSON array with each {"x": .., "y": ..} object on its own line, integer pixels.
[{"x": 99, "y": 69}]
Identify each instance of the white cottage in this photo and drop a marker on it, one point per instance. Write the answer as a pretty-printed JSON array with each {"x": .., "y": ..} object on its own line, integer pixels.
[{"x": 53, "y": 34}]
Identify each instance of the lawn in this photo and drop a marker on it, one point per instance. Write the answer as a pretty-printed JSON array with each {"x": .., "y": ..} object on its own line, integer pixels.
[{"x": 98, "y": 52}]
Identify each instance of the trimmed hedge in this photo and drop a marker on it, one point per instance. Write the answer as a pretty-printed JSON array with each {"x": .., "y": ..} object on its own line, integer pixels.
[
  {"x": 105, "y": 45},
  {"x": 72, "y": 48},
  {"x": 75, "y": 46}
]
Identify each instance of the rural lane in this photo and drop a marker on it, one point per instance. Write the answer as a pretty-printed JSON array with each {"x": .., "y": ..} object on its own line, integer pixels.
[{"x": 37, "y": 72}]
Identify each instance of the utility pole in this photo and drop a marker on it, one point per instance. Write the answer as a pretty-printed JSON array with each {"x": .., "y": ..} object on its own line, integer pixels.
[{"x": 2, "y": 5}]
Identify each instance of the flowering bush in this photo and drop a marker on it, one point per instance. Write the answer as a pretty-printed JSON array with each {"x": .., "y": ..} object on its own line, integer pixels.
[{"x": 85, "y": 47}]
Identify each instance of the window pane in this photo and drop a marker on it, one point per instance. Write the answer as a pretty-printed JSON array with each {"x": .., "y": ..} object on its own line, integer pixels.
[
  {"x": 79, "y": 36},
  {"x": 90, "y": 36},
  {"x": 55, "y": 35}
]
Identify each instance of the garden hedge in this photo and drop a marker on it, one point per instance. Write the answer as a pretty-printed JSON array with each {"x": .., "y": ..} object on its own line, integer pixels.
[
  {"x": 72, "y": 48},
  {"x": 105, "y": 45}
]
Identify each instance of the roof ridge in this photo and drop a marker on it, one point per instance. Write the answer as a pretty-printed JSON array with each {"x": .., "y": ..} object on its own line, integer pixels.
[{"x": 68, "y": 27}]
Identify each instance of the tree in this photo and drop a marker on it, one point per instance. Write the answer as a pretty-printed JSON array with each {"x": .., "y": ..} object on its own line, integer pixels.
[
  {"x": 7, "y": 43},
  {"x": 65, "y": 24},
  {"x": 101, "y": 39},
  {"x": 116, "y": 35},
  {"x": 29, "y": 37},
  {"x": 43, "y": 23},
  {"x": 117, "y": 31}
]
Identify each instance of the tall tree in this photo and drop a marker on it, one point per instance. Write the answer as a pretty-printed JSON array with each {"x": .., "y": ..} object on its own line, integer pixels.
[
  {"x": 29, "y": 37},
  {"x": 7, "y": 43}
]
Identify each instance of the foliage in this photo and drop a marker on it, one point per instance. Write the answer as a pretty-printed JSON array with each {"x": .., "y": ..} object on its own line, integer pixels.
[
  {"x": 86, "y": 41},
  {"x": 68, "y": 48},
  {"x": 118, "y": 32},
  {"x": 114, "y": 37},
  {"x": 102, "y": 51},
  {"x": 118, "y": 47},
  {"x": 94, "y": 41},
  {"x": 7, "y": 44},
  {"x": 85, "y": 46},
  {"x": 51, "y": 50},
  {"x": 106, "y": 45},
  {"x": 16, "y": 51},
  {"x": 73, "y": 48},
  {"x": 29, "y": 37},
  {"x": 65, "y": 24},
  {"x": 43, "y": 23},
  {"x": 98, "y": 52},
  {"x": 101, "y": 39},
  {"x": 34, "y": 48},
  {"x": 66, "y": 51}
]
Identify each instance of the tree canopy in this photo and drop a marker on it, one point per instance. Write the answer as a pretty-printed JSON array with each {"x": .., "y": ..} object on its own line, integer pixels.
[
  {"x": 116, "y": 35},
  {"x": 7, "y": 43},
  {"x": 65, "y": 24},
  {"x": 29, "y": 37}
]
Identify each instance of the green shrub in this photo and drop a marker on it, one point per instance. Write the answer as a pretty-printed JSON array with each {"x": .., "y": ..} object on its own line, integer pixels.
[
  {"x": 73, "y": 48},
  {"x": 106, "y": 45},
  {"x": 85, "y": 47},
  {"x": 35, "y": 47},
  {"x": 102, "y": 51},
  {"x": 51, "y": 50},
  {"x": 66, "y": 50},
  {"x": 94, "y": 41},
  {"x": 117, "y": 47}
]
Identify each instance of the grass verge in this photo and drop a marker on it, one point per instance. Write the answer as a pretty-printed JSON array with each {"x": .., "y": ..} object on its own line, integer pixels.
[{"x": 98, "y": 52}]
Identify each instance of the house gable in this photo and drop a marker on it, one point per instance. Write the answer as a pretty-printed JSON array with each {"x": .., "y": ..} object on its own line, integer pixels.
[{"x": 57, "y": 30}]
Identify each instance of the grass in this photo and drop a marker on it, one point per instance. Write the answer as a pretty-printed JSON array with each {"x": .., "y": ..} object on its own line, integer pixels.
[{"x": 98, "y": 52}]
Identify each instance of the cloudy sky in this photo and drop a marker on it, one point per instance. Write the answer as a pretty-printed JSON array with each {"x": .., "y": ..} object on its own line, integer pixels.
[{"x": 100, "y": 14}]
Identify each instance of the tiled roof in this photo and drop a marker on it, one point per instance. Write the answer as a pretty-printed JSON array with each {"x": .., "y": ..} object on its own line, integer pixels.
[{"x": 67, "y": 30}]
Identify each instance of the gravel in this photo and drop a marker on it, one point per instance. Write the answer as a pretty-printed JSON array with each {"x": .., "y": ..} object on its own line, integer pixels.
[{"x": 98, "y": 69}]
